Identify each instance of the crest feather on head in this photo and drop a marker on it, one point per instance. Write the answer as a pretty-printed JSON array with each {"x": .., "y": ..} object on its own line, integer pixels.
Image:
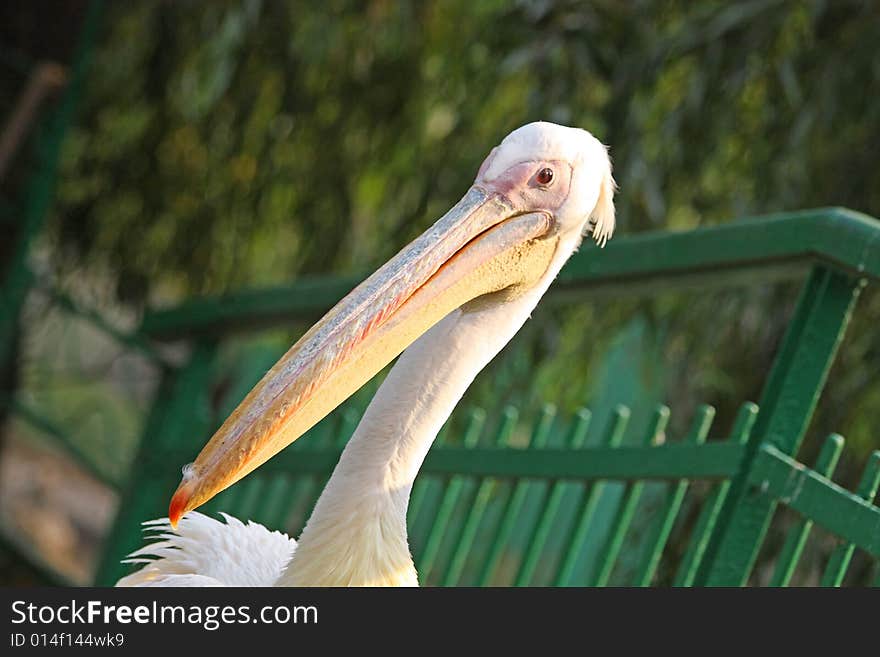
[{"x": 601, "y": 222}]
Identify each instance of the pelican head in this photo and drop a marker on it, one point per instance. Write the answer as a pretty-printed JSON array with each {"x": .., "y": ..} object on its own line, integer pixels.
[{"x": 535, "y": 195}]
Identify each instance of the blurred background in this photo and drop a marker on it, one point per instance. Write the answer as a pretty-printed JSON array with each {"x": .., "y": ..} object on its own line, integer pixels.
[{"x": 153, "y": 152}]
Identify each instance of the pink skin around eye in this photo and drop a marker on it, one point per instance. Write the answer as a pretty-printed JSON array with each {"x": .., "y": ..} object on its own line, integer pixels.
[{"x": 520, "y": 184}]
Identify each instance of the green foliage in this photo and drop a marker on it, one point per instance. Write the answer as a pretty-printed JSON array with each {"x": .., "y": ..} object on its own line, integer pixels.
[{"x": 237, "y": 143}]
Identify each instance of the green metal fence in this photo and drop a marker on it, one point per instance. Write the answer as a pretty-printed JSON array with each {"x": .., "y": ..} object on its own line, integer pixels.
[
  {"x": 752, "y": 472},
  {"x": 478, "y": 496}
]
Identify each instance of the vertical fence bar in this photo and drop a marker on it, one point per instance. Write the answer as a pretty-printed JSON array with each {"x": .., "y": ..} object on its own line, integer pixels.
[
  {"x": 228, "y": 501},
  {"x": 252, "y": 491},
  {"x": 657, "y": 543},
  {"x": 583, "y": 519},
  {"x": 303, "y": 484},
  {"x": 515, "y": 502},
  {"x": 324, "y": 441},
  {"x": 450, "y": 499},
  {"x": 474, "y": 518},
  {"x": 835, "y": 571},
  {"x": 690, "y": 563},
  {"x": 289, "y": 494},
  {"x": 179, "y": 421},
  {"x": 274, "y": 508},
  {"x": 787, "y": 404},
  {"x": 797, "y": 535},
  {"x": 422, "y": 485},
  {"x": 577, "y": 437},
  {"x": 628, "y": 505},
  {"x": 350, "y": 420}
]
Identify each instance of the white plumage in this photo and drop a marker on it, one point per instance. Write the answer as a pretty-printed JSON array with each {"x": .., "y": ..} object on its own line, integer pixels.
[
  {"x": 504, "y": 243},
  {"x": 206, "y": 552}
]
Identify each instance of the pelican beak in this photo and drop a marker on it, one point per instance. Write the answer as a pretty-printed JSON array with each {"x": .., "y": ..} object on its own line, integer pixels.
[{"x": 481, "y": 246}]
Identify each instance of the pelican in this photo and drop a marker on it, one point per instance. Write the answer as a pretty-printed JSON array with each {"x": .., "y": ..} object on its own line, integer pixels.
[{"x": 448, "y": 302}]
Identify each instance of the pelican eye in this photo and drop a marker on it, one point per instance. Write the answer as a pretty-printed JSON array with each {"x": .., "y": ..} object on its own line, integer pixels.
[{"x": 545, "y": 176}]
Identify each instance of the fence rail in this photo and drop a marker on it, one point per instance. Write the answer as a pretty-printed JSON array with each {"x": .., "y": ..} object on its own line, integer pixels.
[
  {"x": 761, "y": 249},
  {"x": 461, "y": 534}
]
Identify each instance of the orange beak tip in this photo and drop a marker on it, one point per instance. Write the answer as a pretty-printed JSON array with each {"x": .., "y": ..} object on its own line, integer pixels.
[{"x": 178, "y": 506}]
